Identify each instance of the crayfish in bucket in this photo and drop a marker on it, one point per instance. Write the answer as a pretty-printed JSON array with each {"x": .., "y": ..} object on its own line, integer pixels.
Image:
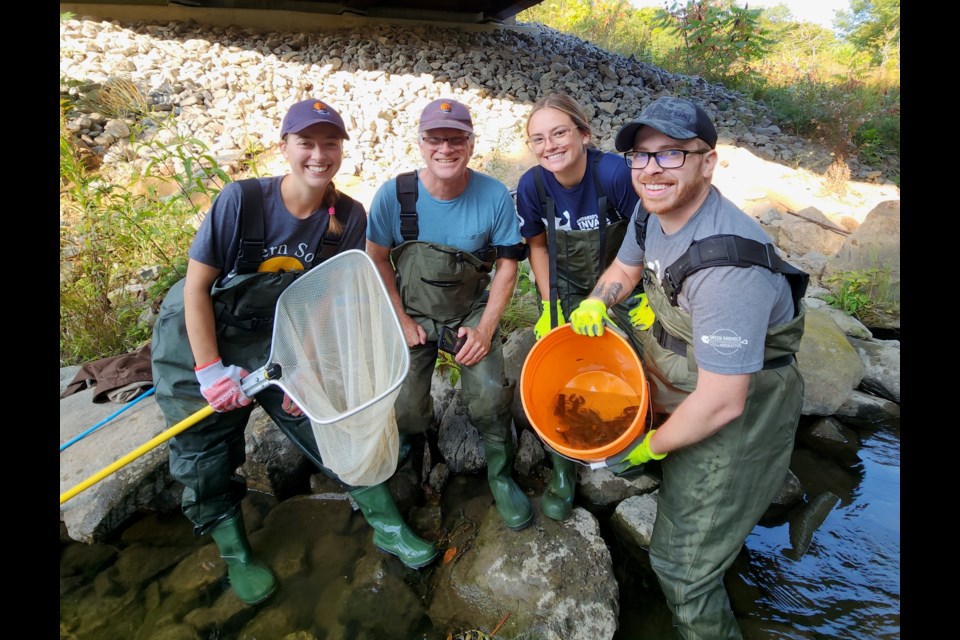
[{"x": 583, "y": 427}]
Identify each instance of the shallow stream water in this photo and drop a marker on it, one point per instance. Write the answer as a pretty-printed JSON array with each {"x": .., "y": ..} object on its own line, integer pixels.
[
  {"x": 827, "y": 570},
  {"x": 844, "y": 585}
]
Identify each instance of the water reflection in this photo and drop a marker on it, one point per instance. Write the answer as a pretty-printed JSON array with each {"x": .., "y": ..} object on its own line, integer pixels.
[{"x": 846, "y": 583}]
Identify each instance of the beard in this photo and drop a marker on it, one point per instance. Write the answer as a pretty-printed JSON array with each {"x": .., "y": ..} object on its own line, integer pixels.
[{"x": 687, "y": 193}]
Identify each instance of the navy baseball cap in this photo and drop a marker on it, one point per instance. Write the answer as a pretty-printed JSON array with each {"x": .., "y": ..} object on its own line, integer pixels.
[
  {"x": 675, "y": 117},
  {"x": 446, "y": 114},
  {"x": 309, "y": 112}
]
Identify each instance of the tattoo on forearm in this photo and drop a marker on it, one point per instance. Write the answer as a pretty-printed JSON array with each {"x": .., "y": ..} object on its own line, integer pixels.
[{"x": 608, "y": 292}]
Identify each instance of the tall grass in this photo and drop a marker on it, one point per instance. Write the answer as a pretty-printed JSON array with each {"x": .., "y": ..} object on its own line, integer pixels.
[{"x": 123, "y": 245}]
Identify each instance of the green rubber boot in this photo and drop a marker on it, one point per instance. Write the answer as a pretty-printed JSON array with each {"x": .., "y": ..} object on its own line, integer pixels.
[
  {"x": 512, "y": 502},
  {"x": 391, "y": 533},
  {"x": 251, "y": 581},
  {"x": 557, "y": 499}
]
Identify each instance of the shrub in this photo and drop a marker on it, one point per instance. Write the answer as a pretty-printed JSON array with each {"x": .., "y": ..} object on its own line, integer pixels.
[
  {"x": 116, "y": 240},
  {"x": 866, "y": 295}
]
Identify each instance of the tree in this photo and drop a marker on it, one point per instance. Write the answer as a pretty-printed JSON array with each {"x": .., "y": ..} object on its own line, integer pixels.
[
  {"x": 873, "y": 26},
  {"x": 611, "y": 24},
  {"x": 720, "y": 39}
]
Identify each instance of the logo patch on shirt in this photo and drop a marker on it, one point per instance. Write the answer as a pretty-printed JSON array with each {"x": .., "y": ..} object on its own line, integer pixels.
[{"x": 724, "y": 341}]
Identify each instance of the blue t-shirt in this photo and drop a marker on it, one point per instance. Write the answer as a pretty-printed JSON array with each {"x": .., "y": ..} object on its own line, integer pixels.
[
  {"x": 730, "y": 307},
  {"x": 289, "y": 243},
  {"x": 576, "y": 208},
  {"x": 482, "y": 216}
]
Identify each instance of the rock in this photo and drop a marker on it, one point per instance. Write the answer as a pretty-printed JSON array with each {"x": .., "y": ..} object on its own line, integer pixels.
[
  {"x": 881, "y": 359},
  {"x": 874, "y": 249},
  {"x": 830, "y": 367}
]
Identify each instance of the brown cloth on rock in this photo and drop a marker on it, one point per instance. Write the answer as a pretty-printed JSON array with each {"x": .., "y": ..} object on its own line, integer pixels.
[{"x": 117, "y": 379}]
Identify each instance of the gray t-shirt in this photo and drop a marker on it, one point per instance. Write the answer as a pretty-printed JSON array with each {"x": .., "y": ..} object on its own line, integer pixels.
[{"x": 730, "y": 307}]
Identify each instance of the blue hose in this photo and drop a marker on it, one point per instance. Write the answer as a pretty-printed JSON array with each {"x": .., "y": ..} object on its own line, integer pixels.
[{"x": 83, "y": 435}]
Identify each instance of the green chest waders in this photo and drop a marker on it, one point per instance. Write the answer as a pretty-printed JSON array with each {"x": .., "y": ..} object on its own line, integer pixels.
[
  {"x": 440, "y": 282},
  {"x": 443, "y": 285},
  {"x": 715, "y": 491}
]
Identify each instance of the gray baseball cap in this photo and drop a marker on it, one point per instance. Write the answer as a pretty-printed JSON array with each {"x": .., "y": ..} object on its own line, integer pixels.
[{"x": 675, "y": 117}]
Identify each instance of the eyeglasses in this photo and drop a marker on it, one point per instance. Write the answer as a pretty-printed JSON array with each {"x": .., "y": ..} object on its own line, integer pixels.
[
  {"x": 557, "y": 137},
  {"x": 666, "y": 159},
  {"x": 455, "y": 142}
]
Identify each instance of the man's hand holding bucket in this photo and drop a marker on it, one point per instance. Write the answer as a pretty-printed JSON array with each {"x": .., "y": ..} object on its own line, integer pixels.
[{"x": 588, "y": 318}]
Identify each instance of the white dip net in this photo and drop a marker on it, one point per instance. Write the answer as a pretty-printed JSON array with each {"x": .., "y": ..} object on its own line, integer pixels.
[{"x": 343, "y": 358}]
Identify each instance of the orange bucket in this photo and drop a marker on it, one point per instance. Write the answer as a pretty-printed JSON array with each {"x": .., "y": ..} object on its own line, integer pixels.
[{"x": 586, "y": 397}]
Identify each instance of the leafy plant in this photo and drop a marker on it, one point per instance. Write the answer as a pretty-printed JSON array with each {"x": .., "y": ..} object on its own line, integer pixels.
[
  {"x": 523, "y": 309},
  {"x": 719, "y": 38},
  {"x": 448, "y": 366},
  {"x": 850, "y": 291},
  {"x": 181, "y": 159}
]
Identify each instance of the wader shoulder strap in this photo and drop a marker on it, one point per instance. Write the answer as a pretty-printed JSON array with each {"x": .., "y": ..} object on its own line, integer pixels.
[
  {"x": 550, "y": 210},
  {"x": 407, "y": 195},
  {"x": 330, "y": 244},
  {"x": 731, "y": 251},
  {"x": 251, "y": 226},
  {"x": 604, "y": 208},
  {"x": 640, "y": 228}
]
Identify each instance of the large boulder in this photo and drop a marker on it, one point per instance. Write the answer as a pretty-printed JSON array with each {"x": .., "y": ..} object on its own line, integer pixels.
[
  {"x": 810, "y": 231},
  {"x": 831, "y": 368},
  {"x": 874, "y": 250},
  {"x": 554, "y": 578}
]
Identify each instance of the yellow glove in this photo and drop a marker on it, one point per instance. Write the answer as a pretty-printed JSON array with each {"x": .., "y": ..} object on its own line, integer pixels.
[
  {"x": 588, "y": 319},
  {"x": 641, "y": 454},
  {"x": 641, "y": 315},
  {"x": 637, "y": 457},
  {"x": 543, "y": 327}
]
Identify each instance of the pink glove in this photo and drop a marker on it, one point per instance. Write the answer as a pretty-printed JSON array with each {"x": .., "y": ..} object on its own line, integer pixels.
[
  {"x": 220, "y": 386},
  {"x": 291, "y": 407}
]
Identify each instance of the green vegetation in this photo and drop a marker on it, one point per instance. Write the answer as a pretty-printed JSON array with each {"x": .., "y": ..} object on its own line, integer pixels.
[
  {"x": 718, "y": 40},
  {"x": 524, "y": 308},
  {"x": 123, "y": 246},
  {"x": 848, "y": 291},
  {"x": 844, "y": 91},
  {"x": 448, "y": 366},
  {"x": 865, "y": 295}
]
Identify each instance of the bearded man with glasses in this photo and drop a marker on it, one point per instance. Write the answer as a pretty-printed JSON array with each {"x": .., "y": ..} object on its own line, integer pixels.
[
  {"x": 725, "y": 387},
  {"x": 446, "y": 242}
]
